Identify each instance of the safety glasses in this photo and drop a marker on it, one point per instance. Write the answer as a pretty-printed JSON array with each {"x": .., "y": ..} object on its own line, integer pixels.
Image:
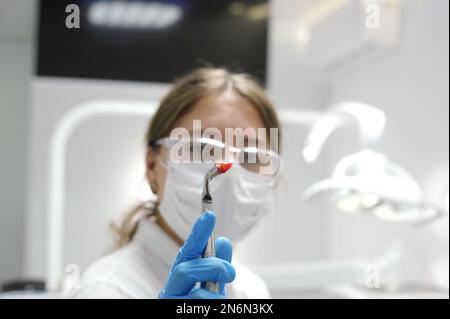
[{"x": 206, "y": 150}]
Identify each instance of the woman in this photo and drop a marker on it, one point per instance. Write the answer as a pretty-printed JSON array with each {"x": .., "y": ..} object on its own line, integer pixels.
[{"x": 149, "y": 262}]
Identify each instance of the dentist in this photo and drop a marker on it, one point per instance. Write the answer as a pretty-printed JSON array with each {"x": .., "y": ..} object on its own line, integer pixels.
[{"x": 159, "y": 244}]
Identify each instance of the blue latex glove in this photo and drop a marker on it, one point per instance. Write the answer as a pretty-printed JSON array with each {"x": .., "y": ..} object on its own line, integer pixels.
[{"x": 189, "y": 268}]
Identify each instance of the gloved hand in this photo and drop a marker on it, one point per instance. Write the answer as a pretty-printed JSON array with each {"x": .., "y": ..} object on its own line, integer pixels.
[{"x": 189, "y": 268}]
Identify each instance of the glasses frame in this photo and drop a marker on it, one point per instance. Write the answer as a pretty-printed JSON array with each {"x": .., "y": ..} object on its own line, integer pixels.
[{"x": 168, "y": 143}]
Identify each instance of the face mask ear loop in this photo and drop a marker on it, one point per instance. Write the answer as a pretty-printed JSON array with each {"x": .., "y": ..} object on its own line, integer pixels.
[
  {"x": 164, "y": 165},
  {"x": 155, "y": 148},
  {"x": 161, "y": 162}
]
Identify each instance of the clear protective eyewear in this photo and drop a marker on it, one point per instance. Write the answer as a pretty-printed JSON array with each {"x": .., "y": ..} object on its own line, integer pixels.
[{"x": 206, "y": 150}]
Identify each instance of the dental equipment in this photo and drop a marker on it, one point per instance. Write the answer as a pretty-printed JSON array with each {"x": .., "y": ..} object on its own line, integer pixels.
[
  {"x": 207, "y": 204},
  {"x": 367, "y": 181},
  {"x": 369, "y": 121}
]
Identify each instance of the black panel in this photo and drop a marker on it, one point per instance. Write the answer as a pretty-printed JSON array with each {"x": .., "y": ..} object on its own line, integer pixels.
[{"x": 205, "y": 33}]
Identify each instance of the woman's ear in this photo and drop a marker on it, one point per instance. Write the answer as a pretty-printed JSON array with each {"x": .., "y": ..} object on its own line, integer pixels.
[{"x": 151, "y": 169}]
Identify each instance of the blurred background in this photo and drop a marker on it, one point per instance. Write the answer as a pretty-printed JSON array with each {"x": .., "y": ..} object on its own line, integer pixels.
[{"x": 65, "y": 173}]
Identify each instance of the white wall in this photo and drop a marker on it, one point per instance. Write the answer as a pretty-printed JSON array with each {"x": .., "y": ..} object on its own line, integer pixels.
[
  {"x": 293, "y": 82},
  {"x": 15, "y": 70},
  {"x": 13, "y": 144}
]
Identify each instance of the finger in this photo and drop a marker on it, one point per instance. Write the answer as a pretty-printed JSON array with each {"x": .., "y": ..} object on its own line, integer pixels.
[
  {"x": 187, "y": 274},
  {"x": 197, "y": 239},
  {"x": 224, "y": 250},
  {"x": 205, "y": 294}
]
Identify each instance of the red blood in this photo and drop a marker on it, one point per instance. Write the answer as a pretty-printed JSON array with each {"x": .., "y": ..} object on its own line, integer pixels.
[{"x": 223, "y": 167}]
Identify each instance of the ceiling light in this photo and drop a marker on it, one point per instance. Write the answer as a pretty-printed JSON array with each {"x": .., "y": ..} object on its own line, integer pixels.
[{"x": 133, "y": 14}]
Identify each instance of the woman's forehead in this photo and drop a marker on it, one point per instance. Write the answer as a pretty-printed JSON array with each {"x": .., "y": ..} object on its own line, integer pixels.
[{"x": 221, "y": 111}]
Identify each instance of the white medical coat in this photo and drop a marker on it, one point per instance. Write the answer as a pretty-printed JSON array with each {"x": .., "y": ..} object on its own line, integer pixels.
[{"x": 140, "y": 269}]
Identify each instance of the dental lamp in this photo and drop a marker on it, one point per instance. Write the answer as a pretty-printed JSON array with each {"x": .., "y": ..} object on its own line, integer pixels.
[{"x": 366, "y": 181}]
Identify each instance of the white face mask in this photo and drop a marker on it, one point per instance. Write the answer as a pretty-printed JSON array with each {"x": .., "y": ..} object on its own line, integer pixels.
[{"x": 240, "y": 199}]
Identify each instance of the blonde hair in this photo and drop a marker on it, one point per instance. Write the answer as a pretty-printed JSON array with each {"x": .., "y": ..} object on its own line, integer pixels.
[{"x": 186, "y": 91}]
